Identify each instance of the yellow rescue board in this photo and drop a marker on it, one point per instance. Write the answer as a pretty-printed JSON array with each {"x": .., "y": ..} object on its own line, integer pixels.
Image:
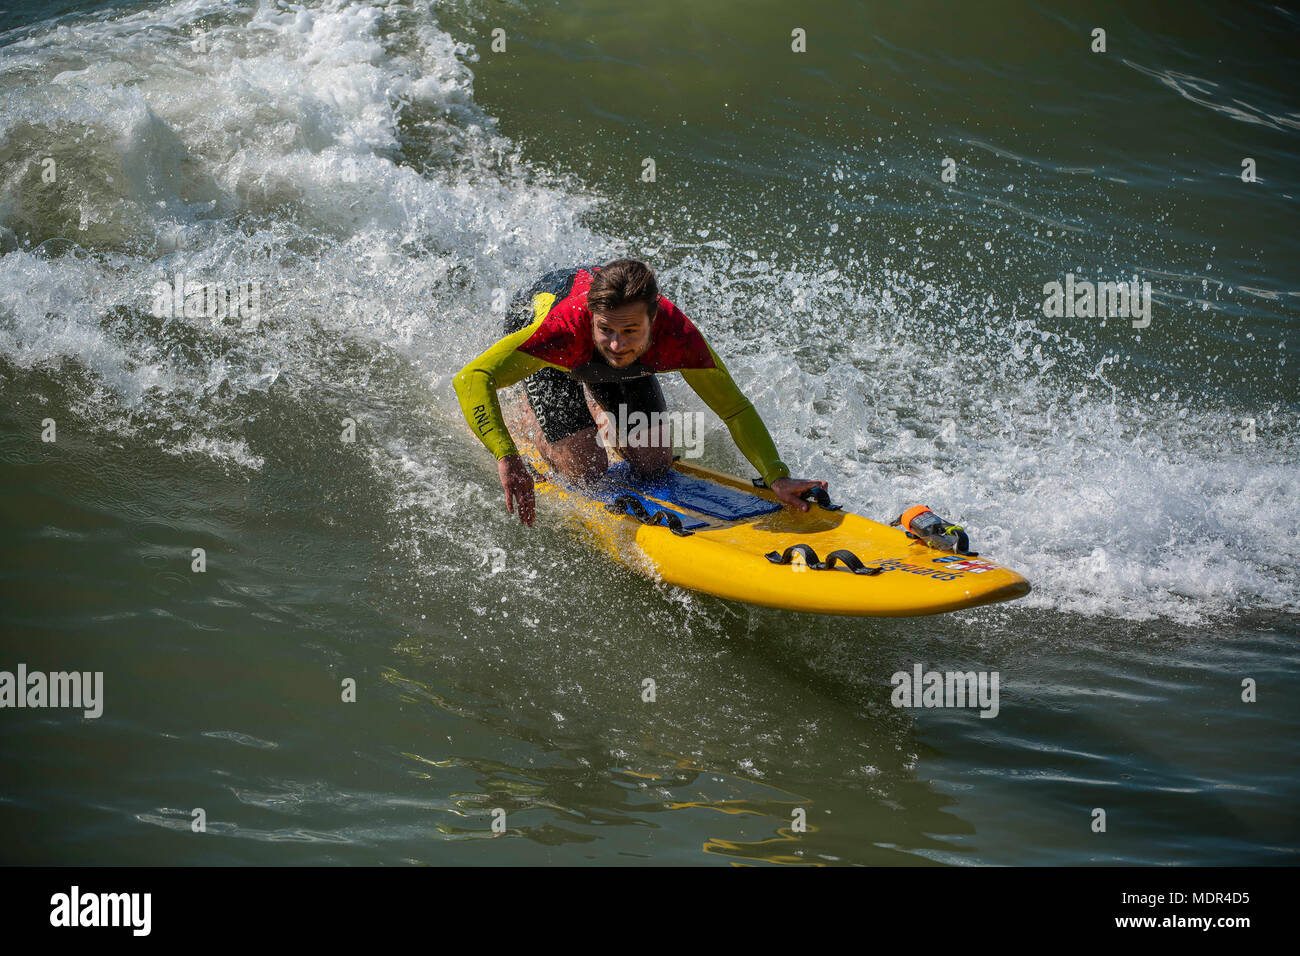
[{"x": 728, "y": 557}]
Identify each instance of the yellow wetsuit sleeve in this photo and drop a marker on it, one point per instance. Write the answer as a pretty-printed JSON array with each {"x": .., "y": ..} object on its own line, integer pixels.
[
  {"x": 720, "y": 393},
  {"x": 477, "y": 383}
]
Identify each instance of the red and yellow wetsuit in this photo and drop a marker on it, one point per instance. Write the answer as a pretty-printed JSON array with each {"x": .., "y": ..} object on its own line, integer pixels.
[{"x": 559, "y": 336}]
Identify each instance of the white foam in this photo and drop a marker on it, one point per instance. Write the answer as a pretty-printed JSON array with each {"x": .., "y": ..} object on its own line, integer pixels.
[
  {"x": 174, "y": 160},
  {"x": 1110, "y": 506},
  {"x": 277, "y": 156}
]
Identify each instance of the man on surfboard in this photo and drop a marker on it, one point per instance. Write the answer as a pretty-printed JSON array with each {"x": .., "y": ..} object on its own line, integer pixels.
[{"x": 608, "y": 329}]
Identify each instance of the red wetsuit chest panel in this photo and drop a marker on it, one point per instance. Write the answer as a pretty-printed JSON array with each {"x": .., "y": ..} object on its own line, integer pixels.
[
  {"x": 564, "y": 337},
  {"x": 676, "y": 342}
]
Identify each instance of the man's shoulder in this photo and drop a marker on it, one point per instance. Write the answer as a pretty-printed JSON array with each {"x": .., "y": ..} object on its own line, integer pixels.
[
  {"x": 678, "y": 344},
  {"x": 561, "y": 282},
  {"x": 570, "y": 308},
  {"x": 563, "y": 337}
]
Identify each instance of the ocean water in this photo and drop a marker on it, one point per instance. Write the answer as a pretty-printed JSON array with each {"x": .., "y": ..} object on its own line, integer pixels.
[{"x": 378, "y": 179}]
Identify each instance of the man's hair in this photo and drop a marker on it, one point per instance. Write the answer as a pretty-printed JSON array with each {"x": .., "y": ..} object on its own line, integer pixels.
[{"x": 623, "y": 282}]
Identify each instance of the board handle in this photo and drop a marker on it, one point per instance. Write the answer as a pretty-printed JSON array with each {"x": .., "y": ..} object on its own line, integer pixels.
[
  {"x": 846, "y": 558},
  {"x": 631, "y": 505},
  {"x": 820, "y": 496},
  {"x": 816, "y": 494}
]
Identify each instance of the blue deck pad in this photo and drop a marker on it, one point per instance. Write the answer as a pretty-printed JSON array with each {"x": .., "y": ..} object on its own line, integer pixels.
[
  {"x": 609, "y": 489},
  {"x": 706, "y": 497}
]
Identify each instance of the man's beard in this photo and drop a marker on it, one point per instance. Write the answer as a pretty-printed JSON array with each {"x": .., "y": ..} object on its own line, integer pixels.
[{"x": 635, "y": 357}]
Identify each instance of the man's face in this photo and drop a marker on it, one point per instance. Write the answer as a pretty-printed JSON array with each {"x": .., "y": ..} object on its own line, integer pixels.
[{"x": 622, "y": 336}]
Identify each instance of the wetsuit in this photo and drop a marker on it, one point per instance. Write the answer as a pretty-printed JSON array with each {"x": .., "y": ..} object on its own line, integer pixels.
[{"x": 549, "y": 344}]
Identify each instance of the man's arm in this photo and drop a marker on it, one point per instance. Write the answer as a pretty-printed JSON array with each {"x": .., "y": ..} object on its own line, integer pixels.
[
  {"x": 477, "y": 384},
  {"x": 751, "y": 436}
]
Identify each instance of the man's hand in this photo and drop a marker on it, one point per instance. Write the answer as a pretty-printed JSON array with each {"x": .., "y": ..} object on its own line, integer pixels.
[
  {"x": 517, "y": 483},
  {"x": 789, "y": 489}
]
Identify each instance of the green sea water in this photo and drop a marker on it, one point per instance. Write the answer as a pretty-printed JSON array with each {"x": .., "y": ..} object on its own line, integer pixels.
[{"x": 863, "y": 227}]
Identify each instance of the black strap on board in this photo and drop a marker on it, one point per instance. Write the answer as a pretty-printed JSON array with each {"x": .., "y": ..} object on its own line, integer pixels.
[
  {"x": 631, "y": 505},
  {"x": 847, "y": 558}
]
